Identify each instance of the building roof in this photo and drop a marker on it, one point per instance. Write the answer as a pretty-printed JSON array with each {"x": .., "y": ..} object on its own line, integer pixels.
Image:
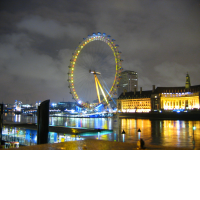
[
  {"x": 137, "y": 95},
  {"x": 158, "y": 90},
  {"x": 194, "y": 88}
]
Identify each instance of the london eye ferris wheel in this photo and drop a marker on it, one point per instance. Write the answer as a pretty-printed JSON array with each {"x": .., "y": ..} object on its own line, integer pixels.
[{"x": 95, "y": 70}]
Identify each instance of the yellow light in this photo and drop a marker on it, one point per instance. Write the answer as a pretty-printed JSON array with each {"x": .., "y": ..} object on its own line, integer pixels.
[
  {"x": 97, "y": 89},
  {"x": 102, "y": 90}
]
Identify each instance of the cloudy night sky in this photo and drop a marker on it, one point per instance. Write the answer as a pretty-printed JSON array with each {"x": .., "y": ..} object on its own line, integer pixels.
[{"x": 159, "y": 39}]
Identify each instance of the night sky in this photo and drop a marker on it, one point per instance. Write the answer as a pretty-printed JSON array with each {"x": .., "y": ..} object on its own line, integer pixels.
[{"x": 159, "y": 39}]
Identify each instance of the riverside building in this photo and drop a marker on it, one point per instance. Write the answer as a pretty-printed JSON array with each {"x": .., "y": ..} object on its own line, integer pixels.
[{"x": 161, "y": 98}]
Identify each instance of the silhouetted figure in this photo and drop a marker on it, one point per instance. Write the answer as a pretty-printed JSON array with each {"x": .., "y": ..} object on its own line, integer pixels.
[
  {"x": 141, "y": 144},
  {"x": 123, "y": 132},
  {"x": 139, "y": 130}
]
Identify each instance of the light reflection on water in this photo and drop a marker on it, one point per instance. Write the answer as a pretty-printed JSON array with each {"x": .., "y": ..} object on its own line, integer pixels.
[
  {"x": 155, "y": 132},
  {"x": 102, "y": 123},
  {"x": 162, "y": 132},
  {"x": 19, "y": 118}
]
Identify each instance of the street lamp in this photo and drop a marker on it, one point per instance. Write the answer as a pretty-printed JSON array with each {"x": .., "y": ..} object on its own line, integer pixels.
[
  {"x": 139, "y": 131},
  {"x": 123, "y": 132},
  {"x": 123, "y": 135},
  {"x": 194, "y": 128}
]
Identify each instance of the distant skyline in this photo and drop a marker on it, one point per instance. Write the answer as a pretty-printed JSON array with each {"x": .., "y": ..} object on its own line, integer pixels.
[{"x": 159, "y": 39}]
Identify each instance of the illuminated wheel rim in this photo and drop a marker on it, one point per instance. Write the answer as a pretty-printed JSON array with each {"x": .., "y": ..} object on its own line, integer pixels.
[{"x": 75, "y": 56}]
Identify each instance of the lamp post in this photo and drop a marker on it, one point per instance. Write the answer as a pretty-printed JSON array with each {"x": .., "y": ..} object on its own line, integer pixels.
[
  {"x": 139, "y": 131},
  {"x": 123, "y": 135},
  {"x": 193, "y": 137}
]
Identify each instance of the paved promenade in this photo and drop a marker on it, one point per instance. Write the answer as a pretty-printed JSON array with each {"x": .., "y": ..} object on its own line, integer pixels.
[{"x": 96, "y": 145}]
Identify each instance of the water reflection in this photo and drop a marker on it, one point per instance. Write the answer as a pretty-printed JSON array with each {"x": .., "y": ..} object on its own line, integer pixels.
[
  {"x": 23, "y": 118},
  {"x": 102, "y": 123},
  {"x": 159, "y": 132},
  {"x": 154, "y": 132},
  {"x": 17, "y": 118}
]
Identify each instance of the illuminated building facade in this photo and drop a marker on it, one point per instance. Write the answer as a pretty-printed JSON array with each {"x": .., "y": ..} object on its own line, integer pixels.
[
  {"x": 139, "y": 101},
  {"x": 176, "y": 98},
  {"x": 161, "y": 98},
  {"x": 128, "y": 82}
]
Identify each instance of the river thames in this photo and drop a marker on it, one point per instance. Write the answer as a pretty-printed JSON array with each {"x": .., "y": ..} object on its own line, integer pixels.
[{"x": 167, "y": 133}]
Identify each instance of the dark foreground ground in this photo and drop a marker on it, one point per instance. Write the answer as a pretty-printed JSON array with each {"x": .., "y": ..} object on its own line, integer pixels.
[{"x": 96, "y": 145}]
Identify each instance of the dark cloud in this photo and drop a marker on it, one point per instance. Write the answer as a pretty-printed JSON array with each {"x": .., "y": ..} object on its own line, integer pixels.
[{"x": 158, "y": 39}]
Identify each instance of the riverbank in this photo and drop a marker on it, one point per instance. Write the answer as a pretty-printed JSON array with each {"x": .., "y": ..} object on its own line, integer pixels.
[{"x": 192, "y": 115}]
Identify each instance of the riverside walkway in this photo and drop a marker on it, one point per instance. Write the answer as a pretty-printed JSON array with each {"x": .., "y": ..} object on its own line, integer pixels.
[{"x": 96, "y": 145}]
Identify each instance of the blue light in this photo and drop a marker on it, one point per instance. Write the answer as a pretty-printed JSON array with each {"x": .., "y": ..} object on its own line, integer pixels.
[{"x": 178, "y": 110}]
